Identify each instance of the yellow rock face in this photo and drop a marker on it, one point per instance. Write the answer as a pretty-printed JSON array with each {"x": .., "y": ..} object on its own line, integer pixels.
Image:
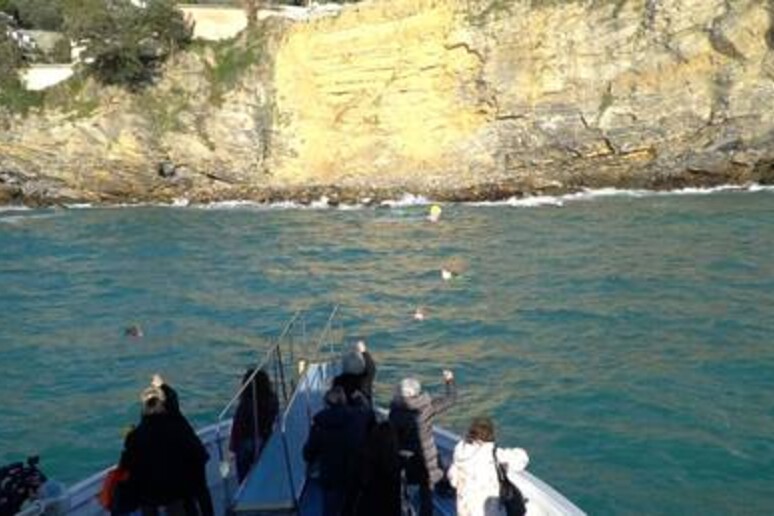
[{"x": 381, "y": 84}]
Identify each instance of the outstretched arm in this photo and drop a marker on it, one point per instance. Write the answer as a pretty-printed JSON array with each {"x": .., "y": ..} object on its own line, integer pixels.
[
  {"x": 443, "y": 403},
  {"x": 370, "y": 371}
]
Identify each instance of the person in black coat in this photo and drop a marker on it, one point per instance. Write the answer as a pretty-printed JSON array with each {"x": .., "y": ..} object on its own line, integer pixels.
[
  {"x": 166, "y": 461},
  {"x": 380, "y": 474},
  {"x": 335, "y": 442},
  {"x": 258, "y": 404}
]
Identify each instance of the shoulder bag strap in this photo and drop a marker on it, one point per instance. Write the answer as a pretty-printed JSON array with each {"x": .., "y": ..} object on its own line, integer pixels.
[{"x": 500, "y": 473}]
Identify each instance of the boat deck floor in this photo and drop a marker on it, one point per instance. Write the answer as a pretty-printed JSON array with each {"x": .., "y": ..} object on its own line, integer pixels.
[{"x": 312, "y": 501}]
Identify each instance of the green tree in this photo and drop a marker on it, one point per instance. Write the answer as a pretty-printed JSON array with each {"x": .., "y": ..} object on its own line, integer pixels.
[
  {"x": 39, "y": 14},
  {"x": 13, "y": 95},
  {"x": 8, "y": 6},
  {"x": 84, "y": 19},
  {"x": 10, "y": 56},
  {"x": 126, "y": 44},
  {"x": 162, "y": 20}
]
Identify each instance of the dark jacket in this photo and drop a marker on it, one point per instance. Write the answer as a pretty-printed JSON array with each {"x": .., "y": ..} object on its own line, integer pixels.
[
  {"x": 363, "y": 382},
  {"x": 412, "y": 419},
  {"x": 165, "y": 460},
  {"x": 244, "y": 420},
  {"x": 380, "y": 474},
  {"x": 335, "y": 440}
]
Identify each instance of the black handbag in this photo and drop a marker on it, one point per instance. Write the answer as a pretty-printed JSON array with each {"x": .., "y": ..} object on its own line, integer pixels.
[{"x": 511, "y": 498}]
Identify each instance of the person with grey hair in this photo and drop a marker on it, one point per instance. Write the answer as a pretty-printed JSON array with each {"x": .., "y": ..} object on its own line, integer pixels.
[
  {"x": 166, "y": 461},
  {"x": 358, "y": 371},
  {"x": 412, "y": 413}
]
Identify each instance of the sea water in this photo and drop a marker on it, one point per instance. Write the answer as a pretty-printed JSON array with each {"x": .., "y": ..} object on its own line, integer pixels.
[{"x": 625, "y": 341}]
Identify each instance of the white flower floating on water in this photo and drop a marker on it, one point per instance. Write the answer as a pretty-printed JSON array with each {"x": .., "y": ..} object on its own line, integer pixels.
[{"x": 446, "y": 274}]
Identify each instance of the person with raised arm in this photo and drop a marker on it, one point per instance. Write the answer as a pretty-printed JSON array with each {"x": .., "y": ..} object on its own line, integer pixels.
[
  {"x": 165, "y": 459},
  {"x": 412, "y": 413},
  {"x": 358, "y": 372}
]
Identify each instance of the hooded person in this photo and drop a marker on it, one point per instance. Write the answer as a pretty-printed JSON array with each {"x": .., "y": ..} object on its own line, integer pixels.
[
  {"x": 358, "y": 371},
  {"x": 166, "y": 460},
  {"x": 473, "y": 471},
  {"x": 412, "y": 413},
  {"x": 335, "y": 442}
]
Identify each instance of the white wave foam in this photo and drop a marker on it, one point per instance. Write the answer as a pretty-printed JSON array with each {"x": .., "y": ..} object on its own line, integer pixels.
[
  {"x": 525, "y": 202},
  {"x": 20, "y": 219},
  {"x": 406, "y": 200},
  {"x": 603, "y": 193},
  {"x": 350, "y": 207},
  {"x": 409, "y": 199},
  {"x": 614, "y": 192},
  {"x": 4, "y": 209},
  {"x": 761, "y": 188},
  {"x": 226, "y": 205},
  {"x": 323, "y": 203}
]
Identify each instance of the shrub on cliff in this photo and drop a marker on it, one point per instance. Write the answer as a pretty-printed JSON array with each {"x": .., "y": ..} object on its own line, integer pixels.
[
  {"x": 10, "y": 55},
  {"x": 126, "y": 44},
  {"x": 13, "y": 96},
  {"x": 35, "y": 14}
]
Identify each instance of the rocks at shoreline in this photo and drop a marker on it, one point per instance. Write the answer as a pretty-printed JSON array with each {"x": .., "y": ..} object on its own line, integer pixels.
[
  {"x": 17, "y": 189},
  {"x": 457, "y": 105}
]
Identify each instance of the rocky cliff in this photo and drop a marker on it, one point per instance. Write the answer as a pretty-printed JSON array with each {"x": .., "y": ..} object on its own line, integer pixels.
[{"x": 459, "y": 100}]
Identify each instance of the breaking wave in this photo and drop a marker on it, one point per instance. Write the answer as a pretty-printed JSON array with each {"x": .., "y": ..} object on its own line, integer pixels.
[{"x": 411, "y": 200}]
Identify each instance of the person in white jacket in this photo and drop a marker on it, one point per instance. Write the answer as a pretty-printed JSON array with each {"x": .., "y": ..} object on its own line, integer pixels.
[{"x": 473, "y": 472}]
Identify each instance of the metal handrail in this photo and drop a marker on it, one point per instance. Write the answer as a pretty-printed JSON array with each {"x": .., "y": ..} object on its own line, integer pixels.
[
  {"x": 274, "y": 361},
  {"x": 320, "y": 342},
  {"x": 271, "y": 355},
  {"x": 262, "y": 364},
  {"x": 324, "y": 333},
  {"x": 326, "y": 330}
]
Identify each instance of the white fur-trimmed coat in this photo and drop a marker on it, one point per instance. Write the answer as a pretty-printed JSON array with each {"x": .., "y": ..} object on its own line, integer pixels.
[{"x": 474, "y": 476}]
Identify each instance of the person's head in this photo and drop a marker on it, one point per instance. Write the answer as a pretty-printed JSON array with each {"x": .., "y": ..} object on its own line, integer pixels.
[
  {"x": 336, "y": 396},
  {"x": 153, "y": 399},
  {"x": 353, "y": 362},
  {"x": 247, "y": 375},
  {"x": 481, "y": 430},
  {"x": 408, "y": 388},
  {"x": 260, "y": 386},
  {"x": 262, "y": 382}
]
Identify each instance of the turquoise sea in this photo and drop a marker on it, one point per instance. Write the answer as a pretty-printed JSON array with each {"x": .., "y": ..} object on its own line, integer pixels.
[{"x": 625, "y": 341}]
